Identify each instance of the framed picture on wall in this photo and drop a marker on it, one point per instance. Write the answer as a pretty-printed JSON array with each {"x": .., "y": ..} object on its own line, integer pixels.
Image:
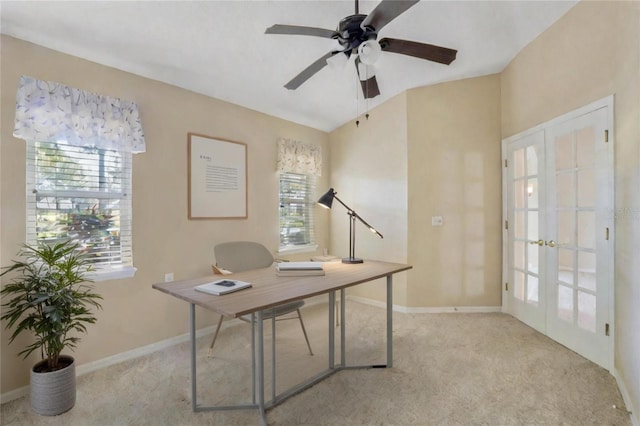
[{"x": 217, "y": 178}]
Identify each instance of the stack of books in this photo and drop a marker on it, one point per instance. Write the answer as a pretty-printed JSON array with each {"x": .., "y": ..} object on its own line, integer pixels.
[{"x": 289, "y": 269}]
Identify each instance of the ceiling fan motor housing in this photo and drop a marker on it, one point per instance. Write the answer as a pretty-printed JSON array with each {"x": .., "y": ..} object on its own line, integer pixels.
[{"x": 350, "y": 34}]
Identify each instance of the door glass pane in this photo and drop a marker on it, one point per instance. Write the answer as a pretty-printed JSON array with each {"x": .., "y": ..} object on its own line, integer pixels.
[
  {"x": 566, "y": 227},
  {"x": 587, "y": 311},
  {"x": 518, "y": 163},
  {"x": 533, "y": 250},
  {"x": 519, "y": 225},
  {"x": 585, "y": 147},
  {"x": 532, "y": 193},
  {"x": 518, "y": 254},
  {"x": 532, "y": 290},
  {"x": 518, "y": 291},
  {"x": 565, "y": 191},
  {"x": 519, "y": 194},
  {"x": 586, "y": 188},
  {"x": 586, "y": 231},
  {"x": 565, "y": 266},
  {"x": 564, "y": 152},
  {"x": 532, "y": 161},
  {"x": 533, "y": 231},
  {"x": 565, "y": 303},
  {"x": 587, "y": 270}
]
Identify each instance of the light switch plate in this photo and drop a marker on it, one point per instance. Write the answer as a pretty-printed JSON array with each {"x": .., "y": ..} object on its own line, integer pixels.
[{"x": 436, "y": 221}]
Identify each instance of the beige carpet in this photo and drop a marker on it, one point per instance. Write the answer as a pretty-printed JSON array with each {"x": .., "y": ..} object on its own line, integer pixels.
[{"x": 449, "y": 369}]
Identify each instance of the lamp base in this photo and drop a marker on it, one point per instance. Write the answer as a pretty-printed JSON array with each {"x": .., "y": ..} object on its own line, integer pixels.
[{"x": 351, "y": 260}]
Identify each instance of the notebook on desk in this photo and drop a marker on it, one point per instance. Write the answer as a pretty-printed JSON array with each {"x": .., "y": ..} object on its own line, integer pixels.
[
  {"x": 222, "y": 286},
  {"x": 298, "y": 266},
  {"x": 293, "y": 269}
]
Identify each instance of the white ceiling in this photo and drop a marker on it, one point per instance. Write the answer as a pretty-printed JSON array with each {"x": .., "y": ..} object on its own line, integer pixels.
[{"x": 218, "y": 48}]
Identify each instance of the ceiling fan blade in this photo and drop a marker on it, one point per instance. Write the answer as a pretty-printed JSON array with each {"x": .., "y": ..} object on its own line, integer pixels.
[
  {"x": 308, "y": 72},
  {"x": 385, "y": 12},
  {"x": 370, "y": 85},
  {"x": 297, "y": 30},
  {"x": 429, "y": 52}
]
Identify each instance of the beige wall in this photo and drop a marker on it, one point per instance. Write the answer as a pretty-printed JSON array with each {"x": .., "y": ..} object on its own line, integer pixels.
[
  {"x": 434, "y": 151},
  {"x": 369, "y": 172},
  {"x": 454, "y": 172},
  {"x": 593, "y": 52},
  {"x": 134, "y": 315}
]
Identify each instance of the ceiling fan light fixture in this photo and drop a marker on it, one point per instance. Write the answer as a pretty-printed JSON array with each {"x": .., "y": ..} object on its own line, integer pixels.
[
  {"x": 369, "y": 52},
  {"x": 365, "y": 71}
]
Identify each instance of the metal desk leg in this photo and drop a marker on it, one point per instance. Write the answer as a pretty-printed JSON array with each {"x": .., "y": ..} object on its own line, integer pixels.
[
  {"x": 389, "y": 321},
  {"x": 273, "y": 355},
  {"x": 343, "y": 350},
  {"x": 253, "y": 357},
  {"x": 332, "y": 333},
  {"x": 261, "y": 367},
  {"x": 192, "y": 332}
]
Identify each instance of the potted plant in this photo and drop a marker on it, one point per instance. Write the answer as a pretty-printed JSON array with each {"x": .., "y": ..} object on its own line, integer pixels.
[{"x": 50, "y": 299}]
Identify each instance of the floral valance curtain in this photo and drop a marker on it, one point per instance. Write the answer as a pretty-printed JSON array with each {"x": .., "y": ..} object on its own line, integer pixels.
[
  {"x": 298, "y": 157},
  {"x": 52, "y": 112}
]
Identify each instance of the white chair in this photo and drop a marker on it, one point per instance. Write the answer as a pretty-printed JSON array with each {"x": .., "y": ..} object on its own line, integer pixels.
[{"x": 238, "y": 256}]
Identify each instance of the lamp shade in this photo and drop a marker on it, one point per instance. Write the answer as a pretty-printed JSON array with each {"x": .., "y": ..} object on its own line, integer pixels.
[
  {"x": 327, "y": 199},
  {"x": 369, "y": 52}
]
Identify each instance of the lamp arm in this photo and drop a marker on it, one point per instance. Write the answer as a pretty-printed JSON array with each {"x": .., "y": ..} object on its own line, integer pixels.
[
  {"x": 353, "y": 213},
  {"x": 367, "y": 225},
  {"x": 335, "y": 197}
]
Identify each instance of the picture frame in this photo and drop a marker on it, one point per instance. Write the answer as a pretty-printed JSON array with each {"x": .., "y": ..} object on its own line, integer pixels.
[{"x": 217, "y": 178}]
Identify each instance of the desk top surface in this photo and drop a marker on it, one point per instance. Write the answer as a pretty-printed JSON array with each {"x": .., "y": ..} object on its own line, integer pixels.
[{"x": 269, "y": 290}]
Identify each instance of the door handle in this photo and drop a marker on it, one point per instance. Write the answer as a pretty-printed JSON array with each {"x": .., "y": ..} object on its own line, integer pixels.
[
  {"x": 539, "y": 242},
  {"x": 551, "y": 243}
]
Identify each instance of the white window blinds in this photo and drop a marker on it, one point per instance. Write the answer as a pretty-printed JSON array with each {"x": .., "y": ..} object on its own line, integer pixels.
[
  {"x": 83, "y": 194},
  {"x": 297, "y": 207}
]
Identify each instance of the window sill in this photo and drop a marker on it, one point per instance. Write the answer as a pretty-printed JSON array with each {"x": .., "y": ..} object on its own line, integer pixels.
[
  {"x": 112, "y": 273},
  {"x": 298, "y": 249}
]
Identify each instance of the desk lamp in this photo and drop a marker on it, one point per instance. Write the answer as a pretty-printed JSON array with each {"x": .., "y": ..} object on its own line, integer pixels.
[{"x": 325, "y": 201}]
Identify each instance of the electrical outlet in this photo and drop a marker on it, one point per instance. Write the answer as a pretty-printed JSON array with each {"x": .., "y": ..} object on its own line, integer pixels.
[
  {"x": 436, "y": 221},
  {"x": 168, "y": 277}
]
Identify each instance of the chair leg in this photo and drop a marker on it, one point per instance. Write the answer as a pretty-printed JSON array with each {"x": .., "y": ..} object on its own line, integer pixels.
[
  {"x": 215, "y": 336},
  {"x": 304, "y": 331}
]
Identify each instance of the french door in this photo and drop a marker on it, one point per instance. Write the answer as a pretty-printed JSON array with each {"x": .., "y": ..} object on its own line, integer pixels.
[{"x": 558, "y": 242}]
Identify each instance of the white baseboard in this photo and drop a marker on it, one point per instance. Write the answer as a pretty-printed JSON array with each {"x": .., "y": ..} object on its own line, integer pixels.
[
  {"x": 123, "y": 356},
  {"x": 633, "y": 414},
  {"x": 14, "y": 394},
  {"x": 148, "y": 349},
  {"x": 427, "y": 310}
]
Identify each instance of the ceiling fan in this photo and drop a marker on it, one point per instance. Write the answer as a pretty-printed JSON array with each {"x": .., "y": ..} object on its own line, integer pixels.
[{"x": 357, "y": 35}]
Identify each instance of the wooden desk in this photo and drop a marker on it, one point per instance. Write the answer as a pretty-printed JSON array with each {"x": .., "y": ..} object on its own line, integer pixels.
[{"x": 268, "y": 291}]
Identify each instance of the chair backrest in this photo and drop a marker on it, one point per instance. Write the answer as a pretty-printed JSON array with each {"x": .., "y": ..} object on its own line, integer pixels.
[{"x": 237, "y": 256}]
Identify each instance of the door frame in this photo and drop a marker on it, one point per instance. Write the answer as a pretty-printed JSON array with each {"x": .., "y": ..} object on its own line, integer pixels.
[{"x": 606, "y": 102}]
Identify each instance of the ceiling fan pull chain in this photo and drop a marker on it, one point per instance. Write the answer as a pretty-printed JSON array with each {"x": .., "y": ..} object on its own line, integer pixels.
[
  {"x": 366, "y": 98},
  {"x": 357, "y": 111}
]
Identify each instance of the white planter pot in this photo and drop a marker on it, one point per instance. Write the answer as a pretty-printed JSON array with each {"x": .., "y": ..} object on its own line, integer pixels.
[{"x": 53, "y": 393}]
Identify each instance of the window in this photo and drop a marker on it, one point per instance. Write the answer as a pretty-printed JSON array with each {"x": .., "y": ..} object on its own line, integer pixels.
[
  {"x": 83, "y": 194},
  {"x": 79, "y": 150},
  {"x": 297, "y": 207}
]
